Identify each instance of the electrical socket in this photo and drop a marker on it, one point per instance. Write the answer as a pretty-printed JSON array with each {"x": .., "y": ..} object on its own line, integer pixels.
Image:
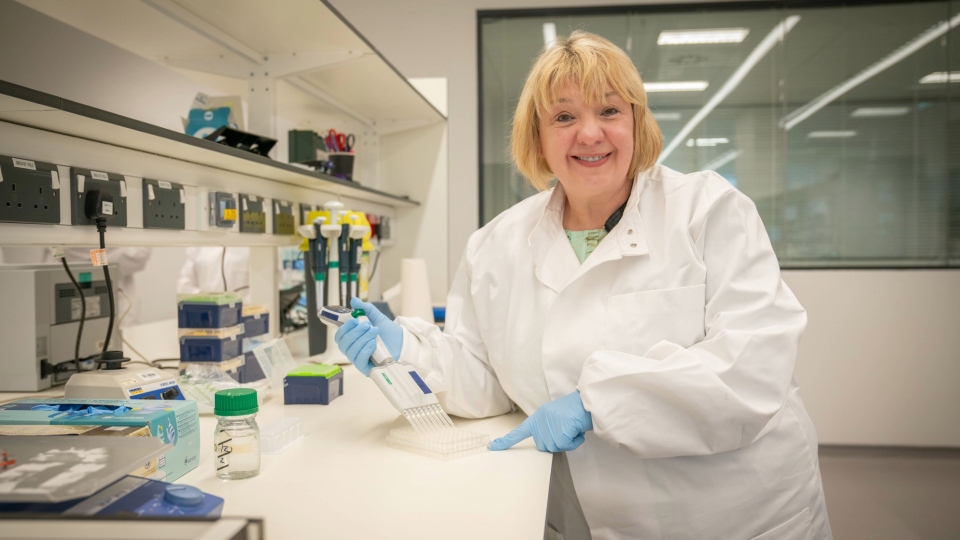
[
  {"x": 252, "y": 217},
  {"x": 283, "y": 220},
  {"x": 163, "y": 205},
  {"x": 29, "y": 191},
  {"x": 82, "y": 181}
]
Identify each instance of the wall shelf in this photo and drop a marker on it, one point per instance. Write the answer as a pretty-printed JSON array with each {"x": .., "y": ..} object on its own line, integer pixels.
[{"x": 31, "y": 108}]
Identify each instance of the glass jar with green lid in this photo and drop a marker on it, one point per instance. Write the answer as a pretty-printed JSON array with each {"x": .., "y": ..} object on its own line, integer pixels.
[{"x": 237, "y": 438}]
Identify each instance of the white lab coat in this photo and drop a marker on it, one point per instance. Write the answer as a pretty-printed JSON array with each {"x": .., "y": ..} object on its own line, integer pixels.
[
  {"x": 201, "y": 271},
  {"x": 679, "y": 334}
]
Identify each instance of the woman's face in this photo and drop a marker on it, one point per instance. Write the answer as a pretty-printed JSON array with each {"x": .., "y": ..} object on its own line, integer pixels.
[{"x": 588, "y": 146}]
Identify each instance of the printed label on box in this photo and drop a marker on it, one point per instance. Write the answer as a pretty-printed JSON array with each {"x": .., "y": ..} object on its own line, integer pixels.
[{"x": 24, "y": 164}]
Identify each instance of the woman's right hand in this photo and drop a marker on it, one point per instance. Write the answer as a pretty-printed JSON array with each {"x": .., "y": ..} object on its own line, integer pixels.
[{"x": 358, "y": 339}]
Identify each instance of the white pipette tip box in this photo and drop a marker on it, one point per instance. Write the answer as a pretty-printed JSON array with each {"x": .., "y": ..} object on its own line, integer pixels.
[{"x": 445, "y": 444}]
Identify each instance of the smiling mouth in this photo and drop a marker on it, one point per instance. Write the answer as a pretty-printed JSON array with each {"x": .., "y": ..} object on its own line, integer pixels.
[{"x": 590, "y": 159}]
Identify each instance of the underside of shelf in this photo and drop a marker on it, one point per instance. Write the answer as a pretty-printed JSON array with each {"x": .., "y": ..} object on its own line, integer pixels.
[{"x": 31, "y": 108}]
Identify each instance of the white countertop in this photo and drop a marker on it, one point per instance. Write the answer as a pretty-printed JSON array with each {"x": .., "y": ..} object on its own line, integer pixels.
[{"x": 342, "y": 480}]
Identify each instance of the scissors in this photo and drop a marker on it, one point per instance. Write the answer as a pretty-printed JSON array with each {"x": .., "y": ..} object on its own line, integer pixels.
[{"x": 342, "y": 142}]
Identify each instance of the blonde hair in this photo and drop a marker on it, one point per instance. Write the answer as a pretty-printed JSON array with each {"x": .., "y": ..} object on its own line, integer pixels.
[{"x": 593, "y": 63}]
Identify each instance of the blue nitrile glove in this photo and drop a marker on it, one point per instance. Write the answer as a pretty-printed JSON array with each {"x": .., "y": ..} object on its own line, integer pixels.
[
  {"x": 557, "y": 426},
  {"x": 390, "y": 332},
  {"x": 358, "y": 340}
]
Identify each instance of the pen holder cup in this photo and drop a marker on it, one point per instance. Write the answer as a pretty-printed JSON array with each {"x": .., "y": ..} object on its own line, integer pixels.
[{"x": 342, "y": 164}]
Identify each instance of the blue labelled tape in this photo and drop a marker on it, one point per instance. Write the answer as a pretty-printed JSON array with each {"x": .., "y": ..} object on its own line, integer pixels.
[{"x": 416, "y": 378}]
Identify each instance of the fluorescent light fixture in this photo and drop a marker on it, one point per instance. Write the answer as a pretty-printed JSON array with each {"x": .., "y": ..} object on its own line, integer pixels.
[
  {"x": 831, "y": 134},
  {"x": 693, "y": 37},
  {"x": 708, "y": 141},
  {"x": 666, "y": 116},
  {"x": 677, "y": 86},
  {"x": 912, "y": 46},
  {"x": 865, "y": 112},
  {"x": 549, "y": 34},
  {"x": 775, "y": 36},
  {"x": 722, "y": 160},
  {"x": 938, "y": 77}
]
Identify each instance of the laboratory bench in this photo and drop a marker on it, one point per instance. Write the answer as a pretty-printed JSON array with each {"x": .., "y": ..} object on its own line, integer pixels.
[{"x": 341, "y": 480}]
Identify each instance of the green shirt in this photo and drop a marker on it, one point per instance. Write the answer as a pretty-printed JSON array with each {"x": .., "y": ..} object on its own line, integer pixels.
[{"x": 584, "y": 242}]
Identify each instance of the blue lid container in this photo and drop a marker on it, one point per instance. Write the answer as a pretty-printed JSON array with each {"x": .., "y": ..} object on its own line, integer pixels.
[
  {"x": 209, "y": 310},
  {"x": 209, "y": 348}
]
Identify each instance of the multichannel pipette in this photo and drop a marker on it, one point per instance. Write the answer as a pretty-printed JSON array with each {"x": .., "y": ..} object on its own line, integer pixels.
[{"x": 400, "y": 383}]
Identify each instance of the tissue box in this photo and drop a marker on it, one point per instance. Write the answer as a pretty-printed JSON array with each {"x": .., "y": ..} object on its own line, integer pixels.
[
  {"x": 173, "y": 422},
  {"x": 313, "y": 384}
]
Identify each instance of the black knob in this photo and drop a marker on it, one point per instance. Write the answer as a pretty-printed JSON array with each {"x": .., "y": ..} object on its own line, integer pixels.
[{"x": 112, "y": 360}]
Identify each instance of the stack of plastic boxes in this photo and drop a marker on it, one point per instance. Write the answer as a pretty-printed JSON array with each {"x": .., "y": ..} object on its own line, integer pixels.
[
  {"x": 256, "y": 327},
  {"x": 211, "y": 330}
]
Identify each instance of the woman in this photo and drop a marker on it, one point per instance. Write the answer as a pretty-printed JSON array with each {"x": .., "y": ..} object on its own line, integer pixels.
[{"x": 636, "y": 314}]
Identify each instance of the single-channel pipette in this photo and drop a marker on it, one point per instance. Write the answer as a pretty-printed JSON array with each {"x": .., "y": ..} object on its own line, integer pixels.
[{"x": 400, "y": 383}]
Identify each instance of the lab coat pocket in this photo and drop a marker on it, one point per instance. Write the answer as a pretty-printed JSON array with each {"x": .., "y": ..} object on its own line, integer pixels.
[
  {"x": 796, "y": 528},
  {"x": 637, "y": 321}
]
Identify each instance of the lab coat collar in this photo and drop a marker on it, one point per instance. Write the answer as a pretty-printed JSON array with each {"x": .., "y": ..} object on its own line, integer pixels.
[{"x": 555, "y": 261}]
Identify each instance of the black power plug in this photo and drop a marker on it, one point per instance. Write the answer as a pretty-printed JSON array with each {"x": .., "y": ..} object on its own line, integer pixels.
[{"x": 98, "y": 204}]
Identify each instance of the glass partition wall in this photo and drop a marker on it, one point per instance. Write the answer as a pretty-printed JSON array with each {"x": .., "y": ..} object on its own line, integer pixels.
[{"x": 840, "y": 121}]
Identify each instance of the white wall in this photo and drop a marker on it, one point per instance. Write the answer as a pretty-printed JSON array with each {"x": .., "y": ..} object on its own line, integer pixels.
[{"x": 880, "y": 360}]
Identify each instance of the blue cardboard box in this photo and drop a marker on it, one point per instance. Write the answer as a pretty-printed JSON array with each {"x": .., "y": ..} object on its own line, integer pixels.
[{"x": 175, "y": 422}]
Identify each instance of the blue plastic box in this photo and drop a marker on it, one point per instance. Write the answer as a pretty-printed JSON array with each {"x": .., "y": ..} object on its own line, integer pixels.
[
  {"x": 208, "y": 349},
  {"x": 250, "y": 371},
  {"x": 313, "y": 384},
  {"x": 219, "y": 310},
  {"x": 210, "y": 345},
  {"x": 256, "y": 325}
]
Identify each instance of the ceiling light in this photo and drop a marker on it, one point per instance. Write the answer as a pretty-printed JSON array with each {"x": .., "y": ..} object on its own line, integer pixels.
[
  {"x": 677, "y": 86},
  {"x": 692, "y": 37},
  {"x": 941, "y": 77},
  {"x": 769, "y": 41},
  {"x": 831, "y": 134},
  {"x": 904, "y": 51},
  {"x": 708, "y": 141},
  {"x": 864, "y": 112},
  {"x": 549, "y": 34},
  {"x": 722, "y": 160},
  {"x": 666, "y": 116}
]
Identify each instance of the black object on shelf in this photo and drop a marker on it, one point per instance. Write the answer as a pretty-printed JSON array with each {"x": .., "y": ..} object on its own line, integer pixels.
[
  {"x": 242, "y": 140},
  {"x": 308, "y": 148}
]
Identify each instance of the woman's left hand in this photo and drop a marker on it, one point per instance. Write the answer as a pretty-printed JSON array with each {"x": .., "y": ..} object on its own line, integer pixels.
[{"x": 557, "y": 426}]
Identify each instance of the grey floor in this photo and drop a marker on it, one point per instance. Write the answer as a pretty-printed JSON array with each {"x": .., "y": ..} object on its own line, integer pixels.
[{"x": 892, "y": 494}]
